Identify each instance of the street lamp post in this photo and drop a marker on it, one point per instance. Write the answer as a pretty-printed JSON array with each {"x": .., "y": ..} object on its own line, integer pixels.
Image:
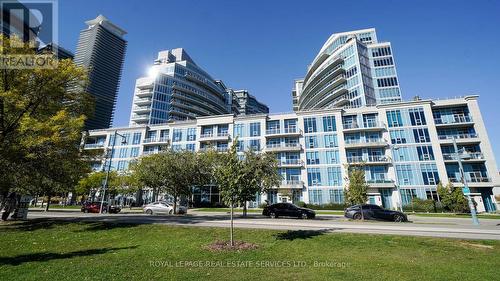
[
  {"x": 105, "y": 184},
  {"x": 465, "y": 189},
  {"x": 394, "y": 148}
]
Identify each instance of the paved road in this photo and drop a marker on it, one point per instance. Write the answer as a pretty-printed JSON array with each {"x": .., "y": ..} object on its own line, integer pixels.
[{"x": 420, "y": 226}]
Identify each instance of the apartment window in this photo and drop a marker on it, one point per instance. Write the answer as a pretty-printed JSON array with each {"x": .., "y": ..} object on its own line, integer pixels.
[
  {"x": 334, "y": 176},
  {"x": 134, "y": 152},
  {"x": 123, "y": 152},
  {"x": 255, "y": 144},
  {"x": 405, "y": 174},
  {"x": 310, "y": 125},
  {"x": 336, "y": 196},
  {"x": 121, "y": 165},
  {"x": 190, "y": 147},
  {"x": 394, "y": 118},
  {"x": 429, "y": 174},
  {"x": 136, "y": 138},
  {"x": 330, "y": 141},
  {"x": 425, "y": 153},
  {"x": 312, "y": 158},
  {"x": 387, "y": 82},
  {"x": 191, "y": 134},
  {"x": 239, "y": 130},
  {"x": 332, "y": 157},
  {"x": 316, "y": 196},
  {"x": 240, "y": 146},
  {"x": 417, "y": 116},
  {"x": 421, "y": 135},
  {"x": 380, "y": 52},
  {"x": 311, "y": 142},
  {"x": 329, "y": 123},
  {"x": 383, "y": 61},
  {"x": 398, "y": 136},
  {"x": 177, "y": 135},
  {"x": 255, "y": 129},
  {"x": 314, "y": 176}
]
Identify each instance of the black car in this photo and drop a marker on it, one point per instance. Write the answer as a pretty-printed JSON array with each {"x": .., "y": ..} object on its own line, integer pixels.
[
  {"x": 287, "y": 210},
  {"x": 374, "y": 212}
]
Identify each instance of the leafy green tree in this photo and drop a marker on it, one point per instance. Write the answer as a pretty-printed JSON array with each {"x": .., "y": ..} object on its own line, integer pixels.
[
  {"x": 452, "y": 198},
  {"x": 356, "y": 192},
  {"x": 173, "y": 172},
  {"x": 42, "y": 114},
  {"x": 260, "y": 173},
  {"x": 229, "y": 177}
]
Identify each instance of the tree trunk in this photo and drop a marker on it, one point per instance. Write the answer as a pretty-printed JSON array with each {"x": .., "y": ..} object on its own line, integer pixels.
[
  {"x": 232, "y": 226},
  {"x": 245, "y": 209},
  {"x": 48, "y": 204},
  {"x": 175, "y": 204}
]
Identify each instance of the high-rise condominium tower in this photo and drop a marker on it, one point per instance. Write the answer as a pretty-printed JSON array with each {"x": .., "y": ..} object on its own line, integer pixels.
[
  {"x": 101, "y": 49},
  {"x": 352, "y": 69},
  {"x": 177, "y": 89}
]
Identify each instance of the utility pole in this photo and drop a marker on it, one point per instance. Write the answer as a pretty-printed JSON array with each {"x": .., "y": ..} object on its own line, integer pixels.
[
  {"x": 105, "y": 185},
  {"x": 465, "y": 189}
]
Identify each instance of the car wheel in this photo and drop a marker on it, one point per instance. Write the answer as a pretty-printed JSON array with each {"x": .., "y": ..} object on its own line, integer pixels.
[
  {"x": 170, "y": 212},
  {"x": 149, "y": 212},
  {"x": 104, "y": 211},
  {"x": 304, "y": 216},
  {"x": 273, "y": 215},
  {"x": 356, "y": 216},
  {"x": 85, "y": 211},
  {"x": 398, "y": 218}
]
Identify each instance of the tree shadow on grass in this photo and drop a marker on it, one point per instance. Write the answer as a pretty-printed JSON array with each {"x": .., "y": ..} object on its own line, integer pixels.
[
  {"x": 47, "y": 223},
  {"x": 300, "y": 234},
  {"x": 42, "y": 257}
]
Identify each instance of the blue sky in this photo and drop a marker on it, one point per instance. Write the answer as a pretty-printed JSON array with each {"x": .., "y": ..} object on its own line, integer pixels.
[{"x": 442, "y": 48}]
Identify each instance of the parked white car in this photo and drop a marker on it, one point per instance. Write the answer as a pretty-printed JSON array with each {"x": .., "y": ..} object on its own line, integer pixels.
[{"x": 163, "y": 208}]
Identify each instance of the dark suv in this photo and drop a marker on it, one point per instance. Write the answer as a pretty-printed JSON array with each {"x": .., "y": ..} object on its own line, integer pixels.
[
  {"x": 287, "y": 210},
  {"x": 374, "y": 212}
]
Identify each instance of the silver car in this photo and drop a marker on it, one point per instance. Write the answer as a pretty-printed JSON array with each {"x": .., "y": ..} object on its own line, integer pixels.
[{"x": 161, "y": 207}]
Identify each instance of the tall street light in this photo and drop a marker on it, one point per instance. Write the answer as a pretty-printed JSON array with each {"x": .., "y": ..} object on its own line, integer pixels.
[
  {"x": 394, "y": 148},
  {"x": 105, "y": 185},
  {"x": 459, "y": 156}
]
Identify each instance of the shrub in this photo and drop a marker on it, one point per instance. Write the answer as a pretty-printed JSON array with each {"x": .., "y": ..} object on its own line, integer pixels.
[
  {"x": 423, "y": 205},
  {"x": 302, "y": 204},
  {"x": 328, "y": 206},
  {"x": 262, "y": 205}
]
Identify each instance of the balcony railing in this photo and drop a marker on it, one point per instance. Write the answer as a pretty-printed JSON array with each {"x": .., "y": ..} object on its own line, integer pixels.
[
  {"x": 379, "y": 181},
  {"x": 370, "y": 159},
  {"x": 360, "y": 141},
  {"x": 472, "y": 155},
  {"x": 155, "y": 139},
  {"x": 473, "y": 177},
  {"x": 290, "y": 162},
  {"x": 211, "y": 135},
  {"x": 458, "y": 136},
  {"x": 277, "y": 131},
  {"x": 292, "y": 182},
  {"x": 366, "y": 125},
  {"x": 94, "y": 145},
  {"x": 457, "y": 119},
  {"x": 283, "y": 145}
]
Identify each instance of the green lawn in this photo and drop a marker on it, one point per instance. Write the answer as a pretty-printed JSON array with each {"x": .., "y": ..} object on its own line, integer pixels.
[{"x": 100, "y": 251}]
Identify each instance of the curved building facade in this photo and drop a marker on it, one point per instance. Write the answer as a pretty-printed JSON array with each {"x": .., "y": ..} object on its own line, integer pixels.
[
  {"x": 177, "y": 89},
  {"x": 352, "y": 69}
]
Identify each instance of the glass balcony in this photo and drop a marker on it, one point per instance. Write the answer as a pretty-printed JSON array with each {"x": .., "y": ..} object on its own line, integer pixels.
[
  {"x": 283, "y": 147},
  {"x": 367, "y": 159},
  {"x": 470, "y": 156},
  {"x": 473, "y": 177},
  {"x": 290, "y": 162},
  {"x": 458, "y": 136},
  {"x": 457, "y": 119}
]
